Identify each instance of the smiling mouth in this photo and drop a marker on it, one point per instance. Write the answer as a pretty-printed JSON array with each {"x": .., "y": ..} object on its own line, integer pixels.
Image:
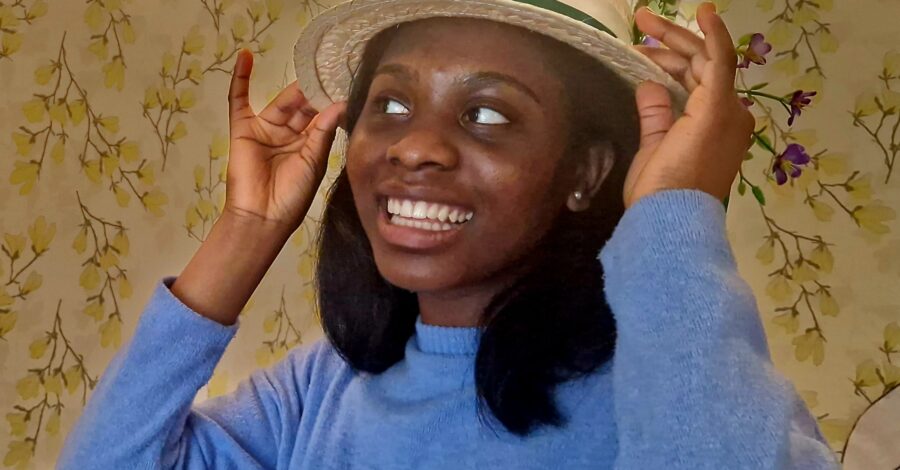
[{"x": 425, "y": 215}]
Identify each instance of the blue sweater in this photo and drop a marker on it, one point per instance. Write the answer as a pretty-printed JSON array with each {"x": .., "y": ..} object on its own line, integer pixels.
[{"x": 691, "y": 385}]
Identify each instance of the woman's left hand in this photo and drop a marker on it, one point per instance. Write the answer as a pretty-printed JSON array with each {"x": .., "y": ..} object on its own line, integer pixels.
[{"x": 703, "y": 149}]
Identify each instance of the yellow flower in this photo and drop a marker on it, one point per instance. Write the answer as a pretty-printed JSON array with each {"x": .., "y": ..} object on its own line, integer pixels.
[
  {"x": 832, "y": 163},
  {"x": 890, "y": 99},
  {"x": 73, "y": 378},
  {"x": 18, "y": 425},
  {"x": 781, "y": 34},
  {"x": 53, "y": 384},
  {"x": 219, "y": 147},
  {"x": 34, "y": 109},
  {"x": 129, "y": 151},
  {"x": 99, "y": 48},
  {"x": 222, "y": 43},
  {"x": 7, "y": 322},
  {"x": 77, "y": 110},
  {"x": 788, "y": 321},
  {"x": 825, "y": 5},
  {"x": 167, "y": 97},
  {"x": 822, "y": 211},
  {"x": 786, "y": 66},
  {"x": 41, "y": 234},
  {"x": 239, "y": 27},
  {"x": 111, "y": 124},
  {"x": 151, "y": 100},
  {"x": 5, "y": 299},
  {"x": 305, "y": 267},
  {"x": 274, "y": 8},
  {"x": 94, "y": 310},
  {"x": 90, "y": 277},
  {"x": 302, "y": 17},
  {"x": 52, "y": 426},
  {"x": 828, "y": 305},
  {"x": 153, "y": 201},
  {"x": 8, "y": 17},
  {"x": 58, "y": 152},
  {"x": 778, "y": 287},
  {"x": 765, "y": 5},
  {"x": 11, "y": 43},
  {"x": 38, "y": 347},
  {"x": 28, "y": 386},
  {"x": 199, "y": 176},
  {"x": 872, "y": 217},
  {"x": 191, "y": 217},
  {"x": 23, "y": 142},
  {"x": 94, "y": 16},
  {"x": 13, "y": 244},
  {"x": 807, "y": 137},
  {"x": 111, "y": 333},
  {"x": 168, "y": 63},
  {"x": 766, "y": 252},
  {"x": 823, "y": 258},
  {"x": 92, "y": 170},
  {"x": 810, "y": 81},
  {"x": 270, "y": 322},
  {"x": 80, "y": 242},
  {"x": 809, "y": 345},
  {"x": 59, "y": 112},
  {"x": 194, "y": 41},
  {"x": 108, "y": 259},
  {"x": 128, "y": 33},
  {"x": 892, "y": 336},
  {"x": 810, "y": 397},
  {"x": 195, "y": 71},
  {"x": 256, "y": 10},
  {"x": 32, "y": 283},
  {"x": 122, "y": 196},
  {"x": 205, "y": 208},
  {"x": 218, "y": 384},
  {"x": 121, "y": 244},
  {"x": 835, "y": 430},
  {"x": 187, "y": 99},
  {"x": 145, "y": 175},
  {"x": 891, "y": 373},
  {"x": 828, "y": 44},
  {"x": 264, "y": 356},
  {"x": 179, "y": 132},
  {"x": 25, "y": 173},
  {"x": 867, "y": 374},
  {"x": 804, "y": 272},
  {"x": 115, "y": 74},
  {"x": 866, "y": 104},
  {"x": 860, "y": 188},
  {"x": 805, "y": 14},
  {"x": 109, "y": 164},
  {"x": 19, "y": 454},
  {"x": 267, "y": 44},
  {"x": 125, "y": 289},
  {"x": 892, "y": 63}
]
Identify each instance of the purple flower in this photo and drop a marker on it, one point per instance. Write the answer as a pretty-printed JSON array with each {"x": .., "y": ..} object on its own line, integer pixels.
[
  {"x": 799, "y": 100},
  {"x": 756, "y": 51},
  {"x": 747, "y": 102},
  {"x": 789, "y": 163}
]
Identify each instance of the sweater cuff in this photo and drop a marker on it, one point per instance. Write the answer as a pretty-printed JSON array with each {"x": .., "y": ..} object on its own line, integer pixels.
[
  {"x": 669, "y": 224},
  {"x": 182, "y": 331}
]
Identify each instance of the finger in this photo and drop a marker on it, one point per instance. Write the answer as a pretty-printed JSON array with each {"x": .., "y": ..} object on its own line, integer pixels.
[
  {"x": 719, "y": 47},
  {"x": 654, "y": 107},
  {"x": 677, "y": 38},
  {"x": 320, "y": 133},
  {"x": 290, "y": 108},
  {"x": 239, "y": 91},
  {"x": 687, "y": 72}
]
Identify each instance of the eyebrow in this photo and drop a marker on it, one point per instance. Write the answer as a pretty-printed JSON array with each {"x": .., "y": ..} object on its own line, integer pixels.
[
  {"x": 485, "y": 79},
  {"x": 475, "y": 80}
]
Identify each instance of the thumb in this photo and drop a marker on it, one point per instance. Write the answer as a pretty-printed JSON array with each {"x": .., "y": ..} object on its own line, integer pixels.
[{"x": 654, "y": 107}]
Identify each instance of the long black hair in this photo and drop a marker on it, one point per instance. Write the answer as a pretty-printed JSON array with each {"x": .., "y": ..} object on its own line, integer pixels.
[{"x": 553, "y": 324}]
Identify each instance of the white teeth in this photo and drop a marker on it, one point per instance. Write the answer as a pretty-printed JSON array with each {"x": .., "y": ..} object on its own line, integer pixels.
[
  {"x": 406, "y": 209},
  {"x": 422, "y": 210},
  {"x": 420, "y": 224}
]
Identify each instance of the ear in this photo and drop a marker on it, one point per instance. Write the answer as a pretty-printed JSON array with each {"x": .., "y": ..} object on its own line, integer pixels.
[{"x": 590, "y": 175}]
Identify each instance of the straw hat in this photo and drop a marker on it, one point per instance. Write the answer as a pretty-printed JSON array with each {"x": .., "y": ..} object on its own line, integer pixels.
[{"x": 331, "y": 46}]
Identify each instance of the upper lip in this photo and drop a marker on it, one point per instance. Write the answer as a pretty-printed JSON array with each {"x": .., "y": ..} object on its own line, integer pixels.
[{"x": 429, "y": 194}]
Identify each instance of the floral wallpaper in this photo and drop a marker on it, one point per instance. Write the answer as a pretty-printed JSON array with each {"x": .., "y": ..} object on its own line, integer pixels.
[{"x": 113, "y": 144}]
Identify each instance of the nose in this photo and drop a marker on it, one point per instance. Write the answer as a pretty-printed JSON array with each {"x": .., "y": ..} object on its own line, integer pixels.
[{"x": 421, "y": 149}]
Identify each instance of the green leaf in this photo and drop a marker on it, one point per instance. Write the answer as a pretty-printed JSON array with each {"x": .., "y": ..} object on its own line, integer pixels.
[
  {"x": 759, "y": 86},
  {"x": 745, "y": 39},
  {"x": 748, "y": 156},
  {"x": 742, "y": 188},
  {"x": 757, "y": 192}
]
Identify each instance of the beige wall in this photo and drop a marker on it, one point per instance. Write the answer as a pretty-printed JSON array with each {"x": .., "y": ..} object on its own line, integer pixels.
[{"x": 124, "y": 189}]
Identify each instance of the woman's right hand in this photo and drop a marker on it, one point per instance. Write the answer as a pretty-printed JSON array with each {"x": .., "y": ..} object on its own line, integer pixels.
[{"x": 277, "y": 158}]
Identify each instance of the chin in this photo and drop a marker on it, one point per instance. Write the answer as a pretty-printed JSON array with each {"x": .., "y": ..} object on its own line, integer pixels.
[{"x": 419, "y": 273}]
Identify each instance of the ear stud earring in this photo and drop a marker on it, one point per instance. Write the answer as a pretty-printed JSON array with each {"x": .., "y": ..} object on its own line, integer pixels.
[{"x": 578, "y": 195}]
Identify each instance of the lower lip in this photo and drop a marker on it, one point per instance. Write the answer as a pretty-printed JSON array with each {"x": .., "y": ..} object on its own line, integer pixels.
[{"x": 414, "y": 238}]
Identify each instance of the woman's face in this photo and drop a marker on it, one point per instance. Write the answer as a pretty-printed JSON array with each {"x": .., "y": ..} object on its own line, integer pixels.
[{"x": 455, "y": 159}]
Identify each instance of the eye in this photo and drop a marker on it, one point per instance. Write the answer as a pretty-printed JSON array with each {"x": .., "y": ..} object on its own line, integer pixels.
[
  {"x": 487, "y": 116},
  {"x": 390, "y": 106}
]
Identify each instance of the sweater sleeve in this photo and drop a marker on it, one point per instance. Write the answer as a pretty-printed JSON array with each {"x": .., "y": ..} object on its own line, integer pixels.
[
  {"x": 694, "y": 386},
  {"x": 140, "y": 415}
]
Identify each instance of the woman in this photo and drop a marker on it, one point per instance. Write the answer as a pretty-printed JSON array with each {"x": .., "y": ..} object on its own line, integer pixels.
[{"x": 459, "y": 285}]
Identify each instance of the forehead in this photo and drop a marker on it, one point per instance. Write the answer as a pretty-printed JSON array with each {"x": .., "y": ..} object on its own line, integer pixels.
[{"x": 472, "y": 45}]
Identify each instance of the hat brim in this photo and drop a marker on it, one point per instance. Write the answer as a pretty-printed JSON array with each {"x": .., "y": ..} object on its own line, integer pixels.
[{"x": 328, "y": 51}]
